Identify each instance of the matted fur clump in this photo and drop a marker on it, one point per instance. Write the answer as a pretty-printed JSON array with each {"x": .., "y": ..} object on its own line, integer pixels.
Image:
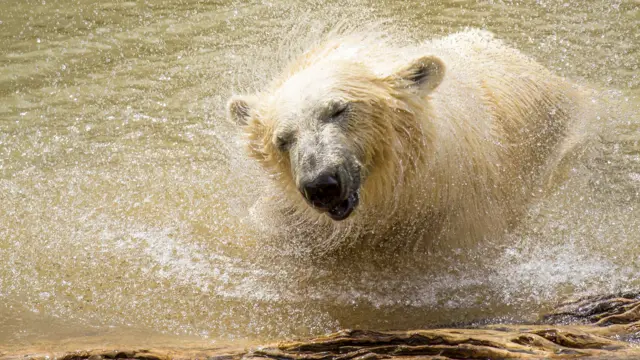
[{"x": 369, "y": 138}]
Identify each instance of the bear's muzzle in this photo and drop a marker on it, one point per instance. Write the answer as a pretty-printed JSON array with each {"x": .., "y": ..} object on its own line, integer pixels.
[{"x": 326, "y": 193}]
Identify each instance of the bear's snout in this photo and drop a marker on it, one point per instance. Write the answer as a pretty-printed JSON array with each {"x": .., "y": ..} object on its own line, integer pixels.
[
  {"x": 328, "y": 194},
  {"x": 323, "y": 191}
]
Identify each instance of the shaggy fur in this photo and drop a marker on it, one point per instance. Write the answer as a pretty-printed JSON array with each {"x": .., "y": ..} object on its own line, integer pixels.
[{"x": 456, "y": 156}]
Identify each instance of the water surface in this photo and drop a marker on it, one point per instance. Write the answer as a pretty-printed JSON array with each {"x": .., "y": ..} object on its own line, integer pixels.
[{"x": 125, "y": 196}]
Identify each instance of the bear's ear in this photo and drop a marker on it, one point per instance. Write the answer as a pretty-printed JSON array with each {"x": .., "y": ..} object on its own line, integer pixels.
[
  {"x": 424, "y": 73},
  {"x": 239, "y": 108}
]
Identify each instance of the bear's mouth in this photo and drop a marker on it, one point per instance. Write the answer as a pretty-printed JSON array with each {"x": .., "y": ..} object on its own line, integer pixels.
[{"x": 343, "y": 209}]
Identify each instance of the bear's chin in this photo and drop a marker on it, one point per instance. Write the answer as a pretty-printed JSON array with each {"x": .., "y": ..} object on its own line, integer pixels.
[{"x": 342, "y": 210}]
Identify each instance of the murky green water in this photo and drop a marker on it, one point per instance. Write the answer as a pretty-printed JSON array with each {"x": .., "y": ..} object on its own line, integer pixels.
[{"x": 125, "y": 198}]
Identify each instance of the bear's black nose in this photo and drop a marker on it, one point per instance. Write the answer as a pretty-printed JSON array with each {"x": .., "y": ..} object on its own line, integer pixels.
[{"x": 323, "y": 191}]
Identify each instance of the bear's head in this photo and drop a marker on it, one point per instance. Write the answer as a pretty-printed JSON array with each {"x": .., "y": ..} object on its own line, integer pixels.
[{"x": 334, "y": 131}]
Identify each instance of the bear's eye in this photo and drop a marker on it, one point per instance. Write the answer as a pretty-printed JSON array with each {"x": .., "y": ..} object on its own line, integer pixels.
[
  {"x": 283, "y": 142},
  {"x": 338, "y": 110}
]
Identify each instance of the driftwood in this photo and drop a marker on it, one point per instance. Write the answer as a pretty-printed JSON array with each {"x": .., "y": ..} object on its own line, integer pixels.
[{"x": 597, "y": 327}]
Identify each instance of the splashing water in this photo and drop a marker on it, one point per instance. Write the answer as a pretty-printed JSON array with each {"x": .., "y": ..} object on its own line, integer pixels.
[{"x": 127, "y": 199}]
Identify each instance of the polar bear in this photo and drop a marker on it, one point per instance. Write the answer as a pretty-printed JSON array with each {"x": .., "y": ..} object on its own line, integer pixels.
[{"x": 449, "y": 138}]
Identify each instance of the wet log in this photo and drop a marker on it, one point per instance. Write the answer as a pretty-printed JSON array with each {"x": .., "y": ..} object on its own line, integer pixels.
[{"x": 606, "y": 326}]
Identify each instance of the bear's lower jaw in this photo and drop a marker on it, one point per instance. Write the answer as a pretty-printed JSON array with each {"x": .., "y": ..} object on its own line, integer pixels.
[{"x": 342, "y": 210}]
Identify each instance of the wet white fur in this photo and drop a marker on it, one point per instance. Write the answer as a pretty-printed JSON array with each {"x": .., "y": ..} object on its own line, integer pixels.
[{"x": 458, "y": 162}]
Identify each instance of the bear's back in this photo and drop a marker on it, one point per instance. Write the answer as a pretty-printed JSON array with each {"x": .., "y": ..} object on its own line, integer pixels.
[{"x": 500, "y": 117}]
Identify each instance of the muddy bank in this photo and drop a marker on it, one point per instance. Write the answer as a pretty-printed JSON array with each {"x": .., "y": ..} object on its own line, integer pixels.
[{"x": 606, "y": 327}]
